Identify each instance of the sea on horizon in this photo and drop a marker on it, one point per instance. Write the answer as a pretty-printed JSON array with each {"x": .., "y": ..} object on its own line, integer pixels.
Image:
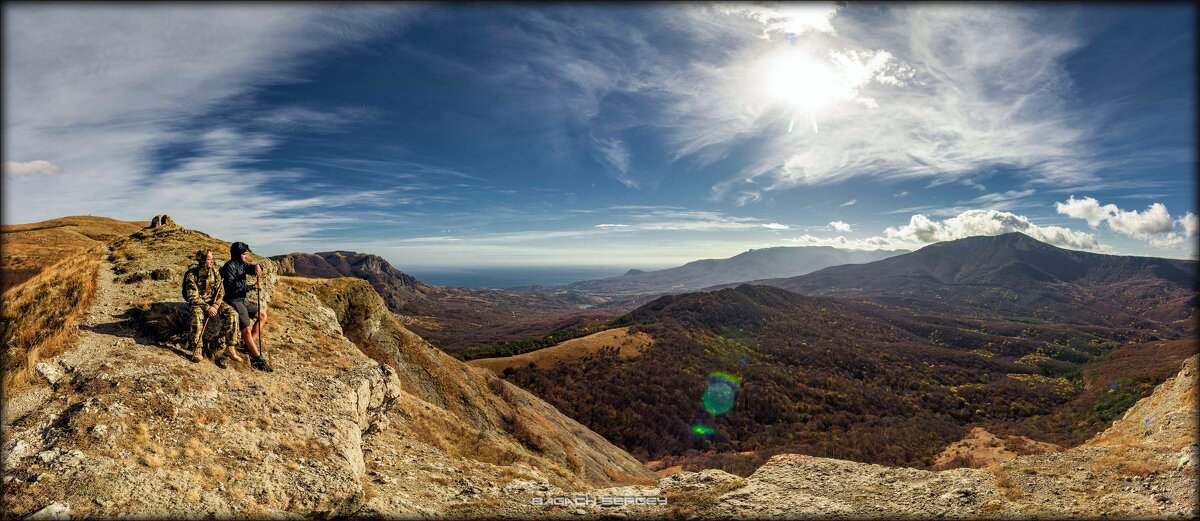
[{"x": 514, "y": 276}]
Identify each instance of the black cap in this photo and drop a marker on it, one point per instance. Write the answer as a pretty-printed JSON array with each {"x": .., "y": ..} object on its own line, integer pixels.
[{"x": 237, "y": 249}]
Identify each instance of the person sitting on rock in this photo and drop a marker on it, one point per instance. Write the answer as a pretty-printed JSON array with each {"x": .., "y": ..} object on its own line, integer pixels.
[
  {"x": 233, "y": 275},
  {"x": 202, "y": 291}
]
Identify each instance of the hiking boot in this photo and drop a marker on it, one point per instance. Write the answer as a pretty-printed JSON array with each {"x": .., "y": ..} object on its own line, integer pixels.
[
  {"x": 261, "y": 364},
  {"x": 196, "y": 355},
  {"x": 232, "y": 353}
]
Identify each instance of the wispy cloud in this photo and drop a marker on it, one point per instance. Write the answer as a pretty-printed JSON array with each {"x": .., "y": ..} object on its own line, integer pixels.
[
  {"x": 870, "y": 243},
  {"x": 309, "y": 120},
  {"x": 775, "y": 226},
  {"x": 851, "y": 202},
  {"x": 987, "y": 89},
  {"x": 999, "y": 198},
  {"x": 98, "y": 111},
  {"x": 785, "y": 19},
  {"x": 615, "y": 154}
]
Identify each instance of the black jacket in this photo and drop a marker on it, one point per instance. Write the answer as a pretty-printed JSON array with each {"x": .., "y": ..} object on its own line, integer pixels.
[{"x": 233, "y": 278}]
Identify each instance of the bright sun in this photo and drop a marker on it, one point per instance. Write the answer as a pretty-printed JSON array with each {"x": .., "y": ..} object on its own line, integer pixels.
[{"x": 805, "y": 82}]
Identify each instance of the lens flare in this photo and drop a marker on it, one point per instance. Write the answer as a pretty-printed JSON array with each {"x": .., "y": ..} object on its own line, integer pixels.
[
  {"x": 721, "y": 393},
  {"x": 702, "y": 430}
]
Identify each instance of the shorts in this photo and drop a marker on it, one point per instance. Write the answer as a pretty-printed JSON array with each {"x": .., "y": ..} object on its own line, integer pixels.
[{"x": 246, "y": 312}]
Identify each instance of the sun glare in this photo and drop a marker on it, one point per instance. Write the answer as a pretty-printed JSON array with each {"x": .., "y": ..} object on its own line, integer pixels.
[{"x": 805, "y": 82}]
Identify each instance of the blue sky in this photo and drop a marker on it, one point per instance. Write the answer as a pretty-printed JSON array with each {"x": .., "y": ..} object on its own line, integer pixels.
[{"x": 608, "y": 134}]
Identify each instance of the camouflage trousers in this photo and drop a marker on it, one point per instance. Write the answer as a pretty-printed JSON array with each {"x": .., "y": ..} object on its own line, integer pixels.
[{"x": 225, "y": 314}]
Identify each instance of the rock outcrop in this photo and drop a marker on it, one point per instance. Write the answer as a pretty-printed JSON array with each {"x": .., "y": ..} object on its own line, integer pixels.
[{"x": 361, "y": 416}]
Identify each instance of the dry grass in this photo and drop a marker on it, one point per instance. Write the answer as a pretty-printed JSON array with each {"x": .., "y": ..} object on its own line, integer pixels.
[
  {"x": 507, "y": 474},
  {"x": 694, "y": 503},
  {"x": 305, "y": 446},
  {"x": 151, "y": 460},
  {"x": 39, "y": 317},
  {"x": 215, "y": 472},
  {"x": 573, "y": 460},
  {"x": 628, "y": 345},
  {"x": 1008, "y": 488},
  {"x": 517, "y": 426},
  {"x": 31, "y": 248},
  {"x": 626, "y": 478},
  {"x": 1128, "y": 463}
]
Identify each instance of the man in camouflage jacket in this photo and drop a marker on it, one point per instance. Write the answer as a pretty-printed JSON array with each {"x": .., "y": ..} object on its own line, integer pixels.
[{"x": 202, "y": 289}]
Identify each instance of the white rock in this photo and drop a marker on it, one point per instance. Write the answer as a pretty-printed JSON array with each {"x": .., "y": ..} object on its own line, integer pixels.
[
  {"x": 54, "y": 510},
  {"x": 19, "y": 450},
  {"x": 51, "y": 372},
  {"x": 47, "y": 456}
]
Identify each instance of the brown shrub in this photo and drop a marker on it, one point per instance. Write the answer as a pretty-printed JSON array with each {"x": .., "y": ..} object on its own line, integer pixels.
[{"x": 38, "y": 318}]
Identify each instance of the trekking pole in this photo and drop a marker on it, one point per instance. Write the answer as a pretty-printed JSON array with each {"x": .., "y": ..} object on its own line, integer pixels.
[
  {"x": 262, "y": 344},
  {"x": 204, "y": 328}
]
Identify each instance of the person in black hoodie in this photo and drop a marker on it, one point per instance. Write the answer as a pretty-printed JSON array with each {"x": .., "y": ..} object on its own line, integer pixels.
[{"x": 250, "y": 319}]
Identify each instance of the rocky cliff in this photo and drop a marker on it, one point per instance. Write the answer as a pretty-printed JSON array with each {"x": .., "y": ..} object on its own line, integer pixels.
[{"x": 361, "y": 416}]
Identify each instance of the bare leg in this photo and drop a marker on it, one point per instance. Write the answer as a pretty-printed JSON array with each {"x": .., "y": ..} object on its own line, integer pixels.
[
  {"x": 249, "y": 338},
  {"x": 259, "y": 324}
]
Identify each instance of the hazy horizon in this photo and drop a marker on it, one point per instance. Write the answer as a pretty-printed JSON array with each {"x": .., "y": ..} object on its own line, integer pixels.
[{"x": 465, "y": 136}]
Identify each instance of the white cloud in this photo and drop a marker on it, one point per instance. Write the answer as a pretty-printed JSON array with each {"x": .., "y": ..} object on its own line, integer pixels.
[
  {"x": 16, "y": 168},
  {"x": 1189, "y": 222},
  {"x": 775, "y": 226},
  {"x": 921, "y": 229},
  {"x": 611, "y": 226},
  {"x": 839, "y": 226},
  {"x": 1166, "y": 241},
  {"x": 1141, "y": 225},
  {"x": 901, "y": 194},
  {"x": 851, "y": 202},
  {"x": 1153, "y": 225},
  {"x": 1086, "y": 208}
]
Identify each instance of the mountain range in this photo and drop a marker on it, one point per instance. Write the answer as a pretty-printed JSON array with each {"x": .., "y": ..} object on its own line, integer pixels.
[
  {"x": 754, "y": 264},
  {"x": 1016, "y": 276},
  {"x": 457, "y": 319}
]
